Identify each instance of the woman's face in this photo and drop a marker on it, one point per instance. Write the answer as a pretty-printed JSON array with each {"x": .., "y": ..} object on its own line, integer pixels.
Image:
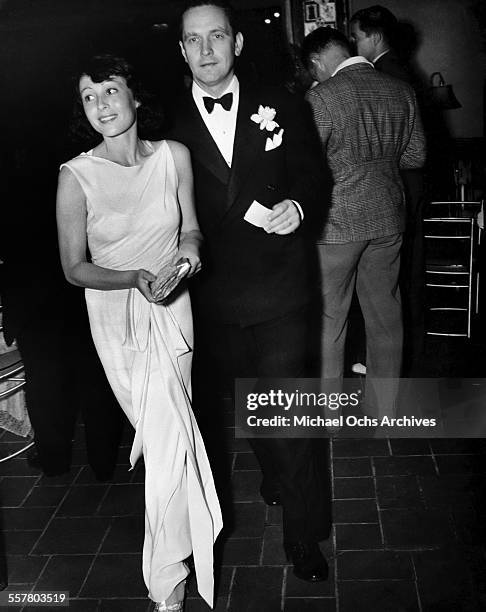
[{"x": 109, "y": 106}]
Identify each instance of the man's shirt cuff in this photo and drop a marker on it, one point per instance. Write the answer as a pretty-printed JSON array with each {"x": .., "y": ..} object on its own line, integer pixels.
[{"x": 299, "y": 208}]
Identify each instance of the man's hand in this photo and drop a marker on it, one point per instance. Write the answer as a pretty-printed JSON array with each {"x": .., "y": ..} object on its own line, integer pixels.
[{"x": 284, "y": 219}]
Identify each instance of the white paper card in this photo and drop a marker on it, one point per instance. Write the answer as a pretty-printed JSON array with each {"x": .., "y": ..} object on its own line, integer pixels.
[{"x": 257, "y": 214}]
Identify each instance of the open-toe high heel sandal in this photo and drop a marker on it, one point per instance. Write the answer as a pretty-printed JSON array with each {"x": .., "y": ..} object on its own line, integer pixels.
[
  {"x": 162, "y": 606},
  {"x": 176, "y": 606}
]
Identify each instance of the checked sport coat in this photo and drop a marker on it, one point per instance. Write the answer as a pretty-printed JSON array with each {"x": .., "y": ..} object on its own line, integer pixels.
[{"x": 370, "y": 129}]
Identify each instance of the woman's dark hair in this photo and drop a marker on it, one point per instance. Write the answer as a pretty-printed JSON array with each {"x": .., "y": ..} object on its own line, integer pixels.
[{"x": 102, "y": 68}]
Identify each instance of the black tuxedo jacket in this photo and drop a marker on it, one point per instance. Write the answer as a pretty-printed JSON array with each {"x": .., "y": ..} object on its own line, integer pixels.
[
  {"x": 392, "y": 65},
  {"x": 250, "y": 276}
]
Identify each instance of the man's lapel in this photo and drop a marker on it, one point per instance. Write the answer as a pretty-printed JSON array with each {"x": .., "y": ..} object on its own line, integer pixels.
[
  {"x": 248, "y": 145},
  {"x": 201, "y": 143}
]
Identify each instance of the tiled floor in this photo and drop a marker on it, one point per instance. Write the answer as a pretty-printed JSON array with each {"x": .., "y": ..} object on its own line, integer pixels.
[{"x": 408, "y": 535}]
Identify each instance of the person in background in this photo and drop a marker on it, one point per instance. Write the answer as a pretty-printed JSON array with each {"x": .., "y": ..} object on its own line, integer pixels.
[
  {"x": 376, "y": 34},
  {"x": 252, "y": 151},
  {"x": 370, "y": 128},
  {"x": 47, "y": 318},
  {"x": 374, "y": 30},
  {"x": 130, "y": 200}
]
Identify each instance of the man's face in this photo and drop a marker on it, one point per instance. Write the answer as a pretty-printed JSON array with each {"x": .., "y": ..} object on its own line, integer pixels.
[
  {"x": 209, "y": 46},
  {"x": 365, "y": 45}
]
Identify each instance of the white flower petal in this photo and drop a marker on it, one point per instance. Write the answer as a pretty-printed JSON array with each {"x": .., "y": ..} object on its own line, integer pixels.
[
  {"x": 270, "y": 113},
  {"x": 265, "y": 117}
]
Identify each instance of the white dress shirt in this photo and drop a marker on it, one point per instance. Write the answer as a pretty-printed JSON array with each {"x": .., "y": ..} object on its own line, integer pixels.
[{"x": 220, "y": 123}]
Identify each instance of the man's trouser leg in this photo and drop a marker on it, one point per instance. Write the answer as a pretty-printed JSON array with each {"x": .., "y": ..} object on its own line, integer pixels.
[{"x": 379, "y": 297}]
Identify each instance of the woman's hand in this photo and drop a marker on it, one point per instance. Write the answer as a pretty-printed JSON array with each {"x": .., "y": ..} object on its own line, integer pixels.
[
  {"x": 191, "y": 253},
  {"x": 141, "y": 281},
  {"x": 189, "y": 248},
  {"x": 191, "y": 238}
]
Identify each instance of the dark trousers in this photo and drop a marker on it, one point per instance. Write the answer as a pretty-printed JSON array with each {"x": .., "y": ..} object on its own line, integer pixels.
[
  {"x": 64, "y": 376},
  {"x": 296, "y": 467},
  {"x": 412, "y": 273}
]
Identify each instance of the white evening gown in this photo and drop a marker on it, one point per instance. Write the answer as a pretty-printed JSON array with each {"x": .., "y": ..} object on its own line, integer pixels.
[{"x": 133, "y": 222}]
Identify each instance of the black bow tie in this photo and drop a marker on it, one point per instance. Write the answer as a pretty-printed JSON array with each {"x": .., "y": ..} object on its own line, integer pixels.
[{"x": 226, "y": 101}]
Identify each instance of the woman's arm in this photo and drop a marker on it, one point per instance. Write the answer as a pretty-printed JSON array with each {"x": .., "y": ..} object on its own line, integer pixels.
[
  {"x": 71, "y": 228},
  {"x": 191, "y": 237}
]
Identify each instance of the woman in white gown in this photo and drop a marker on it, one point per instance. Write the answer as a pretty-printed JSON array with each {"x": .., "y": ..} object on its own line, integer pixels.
[{"x": 131, "y": 202}]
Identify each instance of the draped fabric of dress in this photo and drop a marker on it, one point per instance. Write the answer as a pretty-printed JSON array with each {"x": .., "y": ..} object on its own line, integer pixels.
[{"x": 133, "y": 222}]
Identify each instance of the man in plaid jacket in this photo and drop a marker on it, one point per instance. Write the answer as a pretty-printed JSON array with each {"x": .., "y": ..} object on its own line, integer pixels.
[{"x": 370, "y": 129}]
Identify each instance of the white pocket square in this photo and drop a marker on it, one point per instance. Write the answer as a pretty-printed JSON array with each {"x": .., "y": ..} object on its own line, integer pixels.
[{"x": 275, "y": 141}]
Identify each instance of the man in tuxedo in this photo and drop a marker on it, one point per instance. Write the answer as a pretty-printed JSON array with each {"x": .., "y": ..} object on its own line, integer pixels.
[
  {"x": 251, "y": 298},
  {"x": 370, "y": 128}
]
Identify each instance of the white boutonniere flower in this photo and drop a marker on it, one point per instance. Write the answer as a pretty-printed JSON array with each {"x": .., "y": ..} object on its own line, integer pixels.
[{"x": 265, "y": 117}]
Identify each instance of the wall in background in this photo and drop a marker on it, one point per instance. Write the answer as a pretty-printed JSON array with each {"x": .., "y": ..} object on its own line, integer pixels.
[
  {"x": 37, "y": 47},
  {"x": 448, "y": 40},
  {"x": 43, "y": 42}
]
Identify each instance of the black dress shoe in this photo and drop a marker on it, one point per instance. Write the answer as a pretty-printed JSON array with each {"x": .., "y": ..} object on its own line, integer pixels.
[
  {"x": 309, "y": 563},
  {"x": 270, "y": 495},
  {"x": 272, "y": 499},
  {"x": 33, "y": 460},
  {"x": 104, "y": 475}
]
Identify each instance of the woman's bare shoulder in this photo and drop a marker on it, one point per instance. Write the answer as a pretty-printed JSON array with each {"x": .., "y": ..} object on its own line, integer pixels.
[
  {"x": 177, "y": 148},
  {"x": 67, "y": 177}
]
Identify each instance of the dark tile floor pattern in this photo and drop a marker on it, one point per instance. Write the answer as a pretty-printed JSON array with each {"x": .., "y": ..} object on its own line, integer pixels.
[{"x": 408, "y": 533}]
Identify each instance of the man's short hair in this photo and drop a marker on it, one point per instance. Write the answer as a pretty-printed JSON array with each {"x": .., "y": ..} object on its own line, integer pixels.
[
  {"x": 377, "y": 19},
  {"x": 222, "y": 4},
  {"x": 321, "y": 39}
]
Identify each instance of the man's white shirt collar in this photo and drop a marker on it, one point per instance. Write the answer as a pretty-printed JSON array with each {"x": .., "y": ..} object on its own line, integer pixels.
[
  {"x": 357, "y": 59},
  {"x": 198, "y": 94}
]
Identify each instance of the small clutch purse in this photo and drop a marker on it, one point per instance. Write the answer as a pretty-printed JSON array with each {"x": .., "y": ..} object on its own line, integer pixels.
[{"x": 168, "y": 278}]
